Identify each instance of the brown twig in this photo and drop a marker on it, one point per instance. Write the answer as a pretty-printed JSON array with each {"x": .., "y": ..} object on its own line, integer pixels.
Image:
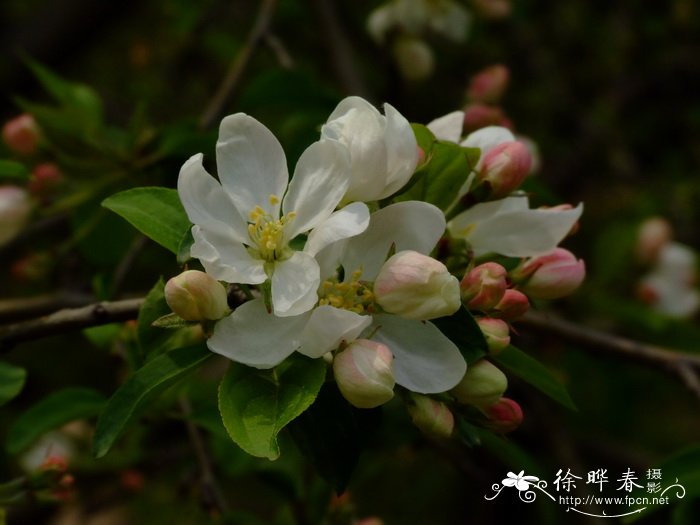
[
  {"x": 240, "y": 63},
  {"x": 68, "y": 319},
  {"x": 686, "y": 366},
  {"x": 19, "y": 308}
]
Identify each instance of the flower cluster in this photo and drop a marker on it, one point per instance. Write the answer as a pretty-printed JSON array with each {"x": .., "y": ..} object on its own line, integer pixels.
[{"x": 340, "y": 256}]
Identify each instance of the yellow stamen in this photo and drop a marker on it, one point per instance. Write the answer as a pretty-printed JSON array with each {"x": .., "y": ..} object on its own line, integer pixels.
[{"x": 354, "y": 295}]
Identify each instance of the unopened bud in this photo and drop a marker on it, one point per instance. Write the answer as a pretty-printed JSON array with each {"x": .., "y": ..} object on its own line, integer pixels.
[
  {"x": 505, "y": 167},
  {"x": 45, "y": 177},
  {"x": 15, "y": 208},
  {"x": 416, "y": 286},
  {"x": 552, "y": 276},
  {"x": 496, "y": 333},
  {"x": 430, "y": 416},
  {"x": 505, "y": 415},
  {"x": 477, "y": 116},
  {"x": 196, "y": 296},
  {"x": 653, "y": 234},
  {"x": 482, "y": 385},
  {"x": 414, "y": 58},
  {"x": 483, "y": 287},
  {"x": 364, "y": 373},
  {"x": 513, "y": 305},
  {"x": 489, "y": 84},
  {"x": 21, "y": 134}
]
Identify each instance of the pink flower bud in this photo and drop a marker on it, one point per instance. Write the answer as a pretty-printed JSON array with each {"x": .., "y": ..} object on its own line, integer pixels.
[
  {"x": 196, "y": 296},
  {"x": 496, "y": 332},
  {"x": 477, "y": 116},
  {"x": 483, "y": 287},
  {"x": 513, "y": 305},
  {"x": 554, "y": 275},
  {"x": 430, "y": 416},
  {"x": 505, "y": 415},
  {"x": 21, "y": 134},
  {"x": 505, "y": 167},
  {"x": 652, "y": 235},
  {"x": 45, "y": 177},
  {"x": 364, "y": 373},
  {"x": 15, "y": 208},
  {"x": 489, "y": 84},
  {"x": 482, "y": 385},
  {"x": 416, "y": 286}
]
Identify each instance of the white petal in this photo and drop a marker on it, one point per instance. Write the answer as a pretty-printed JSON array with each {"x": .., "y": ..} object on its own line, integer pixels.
[
  {"x": 520, "y": 233},
  {"x": 320, "y": 180},
  {"x": 486, "y": 210},
  {"x": 425, "y": 361},
  {"x": 206, "y": 203},
  {"x": 402, "y": 151},
  {"x": 349, "y": 221},
  {"x": 359, "y": 126},
  {"x": 256, "y": 338},
  {"x": 409, "y": 225},
  {"x": 448, "y": 127},
  {"x": 294, "y": 285},
  {"x": 226, "y": 259},
  {"x": 251, "y": 164},
  {"x": 328, "y": 327},
  {"x": 486, "y": 139}
]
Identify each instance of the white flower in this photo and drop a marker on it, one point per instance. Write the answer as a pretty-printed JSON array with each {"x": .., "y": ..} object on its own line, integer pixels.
[
  {"x": 509, "y": 227},
  {"x": 383, "y": 149},
  {"x": 243, "y": 224},
  {"x": 519, "y": 481},
  {"x": 425, "y": 361},
  {"x": 15, "y": 209}
]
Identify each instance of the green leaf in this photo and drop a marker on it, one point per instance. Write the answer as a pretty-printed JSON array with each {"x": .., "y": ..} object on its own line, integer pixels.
[
  {"x": 256, "y": 405},
  {"x": 155, "y": 212},
  {"x": 462, "y": 330},
  {"x": 154, "y": 307},
  {"x": 52, "y": 412},
  {"x": 444, "y": 173},
  {"x": 171, "y": 321},
  {"x": 10, "y": 169},
  {"x": 328, "y": 434},
  {"x": 532, "y": 371},
  {"x": 183, "y": 249},
  {"x": 146, "y": 383},
  {"x": 424, "y": 138},
  {"x": 11, "y": 381}
]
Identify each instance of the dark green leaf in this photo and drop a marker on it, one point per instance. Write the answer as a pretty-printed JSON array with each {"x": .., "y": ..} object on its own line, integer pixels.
[
  {"x": 183, "y": 249},
  {"x": 9, "y": 169},
  {"x": 52, "y": 412},
  {"x": 328, "y": 434},
  {"x": 147, "y": 382},
  {"x": 11, "y": 381},
  {"x": 155, "y": 212},
  {"x": 532, "y": 371},
  {"x": 462, "y": 330},
  {"x": 424, "y": 137},
  {"x": 256, "y": 405}
]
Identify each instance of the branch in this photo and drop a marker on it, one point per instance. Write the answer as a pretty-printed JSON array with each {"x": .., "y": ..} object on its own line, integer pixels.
[
  {"x": 233, "y": 76},
  {"x": 68, "y": 319},
  {"x": 684, "y": 365},
  {"x": 19, "y": 308}
]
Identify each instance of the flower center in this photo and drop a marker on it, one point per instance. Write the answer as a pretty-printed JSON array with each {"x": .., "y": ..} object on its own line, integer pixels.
[
  {"x": 267, "y": 233},
  {"x": 354, "y": 295}
]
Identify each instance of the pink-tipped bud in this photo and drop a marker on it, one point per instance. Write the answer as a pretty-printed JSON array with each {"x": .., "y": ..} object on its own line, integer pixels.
[
  {"x": 15, "y": 208},
  {"x": 477, "y": 116},
  {"x": 505, "y": 167},
  {"x": 196, "y": 296},
  {"x": 482, "y": 385},
  {"x": 489, "y": 84},
  {"x": 414, "y": 58},
  {"x": 416, "y": 286},
  {"x": 484, "y": 286},
  {"x": 653, "y": 234},
  {"x": 21, "y": 134},
  {"x": 430, "y": 416},
  {"x": 513, "y": 305},
  {"x": 496, "y": 332},
  {"x": 364, "y": 373},
  {"x": 552, "y": 276},
  {"x": 45, "y": 177},
  {"x": 505, "y": 415}
]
